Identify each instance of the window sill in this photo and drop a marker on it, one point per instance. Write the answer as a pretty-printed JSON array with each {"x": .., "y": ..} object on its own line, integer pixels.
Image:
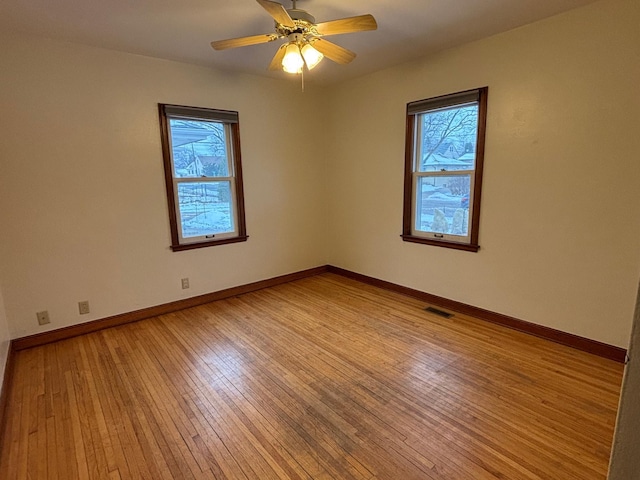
[
  {"x": 210, "y": 243},
  {"x": 441, "y": 243}
]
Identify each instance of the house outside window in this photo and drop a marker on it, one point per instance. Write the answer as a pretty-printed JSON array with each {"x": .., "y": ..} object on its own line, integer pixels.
[
  {"x": 444, "y": 159},
  {"x": 203, "y": 174}
]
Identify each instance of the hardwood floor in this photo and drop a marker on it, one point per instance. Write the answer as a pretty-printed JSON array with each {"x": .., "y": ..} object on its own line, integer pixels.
[{"x": 322, "y": 378}]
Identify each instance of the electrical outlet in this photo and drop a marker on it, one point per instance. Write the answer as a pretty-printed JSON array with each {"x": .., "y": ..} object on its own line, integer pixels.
[
  {"x": 83, "y": 307},
  {"x": 185, "y": 283},
  {"x": 43, "y": 317}
]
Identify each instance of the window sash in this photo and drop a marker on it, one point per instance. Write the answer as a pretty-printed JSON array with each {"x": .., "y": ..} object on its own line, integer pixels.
[
  {"x": 229, "y": 157},
  {"x": 203, "y": 179},
  {"x": 415, "y": 230},
  {"x": 232, "y": 203}
]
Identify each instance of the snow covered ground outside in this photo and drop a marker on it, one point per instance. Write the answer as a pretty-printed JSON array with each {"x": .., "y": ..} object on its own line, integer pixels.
[
  {"x": 207, "y": 219},
  {"x": 443, "y": 213}
]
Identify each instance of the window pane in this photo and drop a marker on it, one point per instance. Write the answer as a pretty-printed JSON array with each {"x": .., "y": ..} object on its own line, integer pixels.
[
  {"x": 442, "y": 204},
  {"x": 205, "y": 208},
  {"x": 448, "y": 139},
  {"x": 199, "y": 148}
]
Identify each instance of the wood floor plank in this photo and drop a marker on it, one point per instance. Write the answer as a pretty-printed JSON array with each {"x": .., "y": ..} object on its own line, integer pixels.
[
  {"x": 251, "y": 427},
  {"x": 252, "y": 382},
  {"x": 321, "y": 378},
  {"x": 181, "y": 365},
  {"x": 331, "y": 393}
]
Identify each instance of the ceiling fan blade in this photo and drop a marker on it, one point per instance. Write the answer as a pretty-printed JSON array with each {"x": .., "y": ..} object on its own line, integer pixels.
[
  {"x": 333, "y": 52},
  {"x": 278, "y": 12},
  {"x": 276, "y": 63},
  {"x": 243, "y": 41},
  {"x": 360, "y": 23}
]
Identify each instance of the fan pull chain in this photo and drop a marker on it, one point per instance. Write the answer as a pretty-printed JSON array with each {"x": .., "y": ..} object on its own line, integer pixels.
[{"x": 302, "y": 79}]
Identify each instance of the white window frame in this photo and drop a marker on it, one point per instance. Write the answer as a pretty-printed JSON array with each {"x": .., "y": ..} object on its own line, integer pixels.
[{"x": 416, "y": 210}]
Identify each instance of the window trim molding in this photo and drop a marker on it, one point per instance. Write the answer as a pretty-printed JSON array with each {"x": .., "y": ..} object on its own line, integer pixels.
[
  {"x": 229, "y": 118},
  {"x": 410, "y": 149}
]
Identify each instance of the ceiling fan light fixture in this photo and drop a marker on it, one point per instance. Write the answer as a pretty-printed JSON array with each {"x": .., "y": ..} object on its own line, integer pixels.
[
  {"x": 312, "y": 57},
  {"x": 305, "y": 45},
  {"x": 292, "y": 61}
]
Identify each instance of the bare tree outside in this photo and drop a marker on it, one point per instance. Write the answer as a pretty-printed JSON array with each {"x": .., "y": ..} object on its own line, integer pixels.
[
  {"x": 199, "y": 148},
  {"x": 452, "y": 126}
]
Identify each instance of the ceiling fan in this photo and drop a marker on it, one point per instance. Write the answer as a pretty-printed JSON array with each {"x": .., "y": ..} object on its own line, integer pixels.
[{"x": 305, "y": 46}]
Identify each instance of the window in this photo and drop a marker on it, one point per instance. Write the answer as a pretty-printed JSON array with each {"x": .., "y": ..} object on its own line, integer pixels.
[
  {"x": 203, "y": 173},
  {"x": 443, "y": 169}
]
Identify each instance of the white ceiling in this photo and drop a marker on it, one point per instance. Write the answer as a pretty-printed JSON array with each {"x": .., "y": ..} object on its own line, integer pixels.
[{"x": 183, "y": 29}]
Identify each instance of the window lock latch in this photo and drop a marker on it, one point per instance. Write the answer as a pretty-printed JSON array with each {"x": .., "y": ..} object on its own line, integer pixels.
[
  {"x": 438, "y": 235},
  {"x": 209, "y": 236}
]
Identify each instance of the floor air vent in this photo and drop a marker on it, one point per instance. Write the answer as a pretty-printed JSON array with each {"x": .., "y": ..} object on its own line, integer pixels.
[{"x": 442, "y": 313}]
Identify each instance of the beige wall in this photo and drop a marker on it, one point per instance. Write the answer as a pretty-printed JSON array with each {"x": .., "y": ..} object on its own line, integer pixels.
[
  {"x": 560, "y": 215},
  {"x": 82, "y": 198},
  {"x": 83, "y": 206}
]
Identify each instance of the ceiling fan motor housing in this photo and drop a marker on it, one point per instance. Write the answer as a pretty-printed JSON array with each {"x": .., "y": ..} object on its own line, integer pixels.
[
  {"x": 304, "y": 23},
  {"x": 297, "y": 14},
  {"x": 296, "y": 37}
]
